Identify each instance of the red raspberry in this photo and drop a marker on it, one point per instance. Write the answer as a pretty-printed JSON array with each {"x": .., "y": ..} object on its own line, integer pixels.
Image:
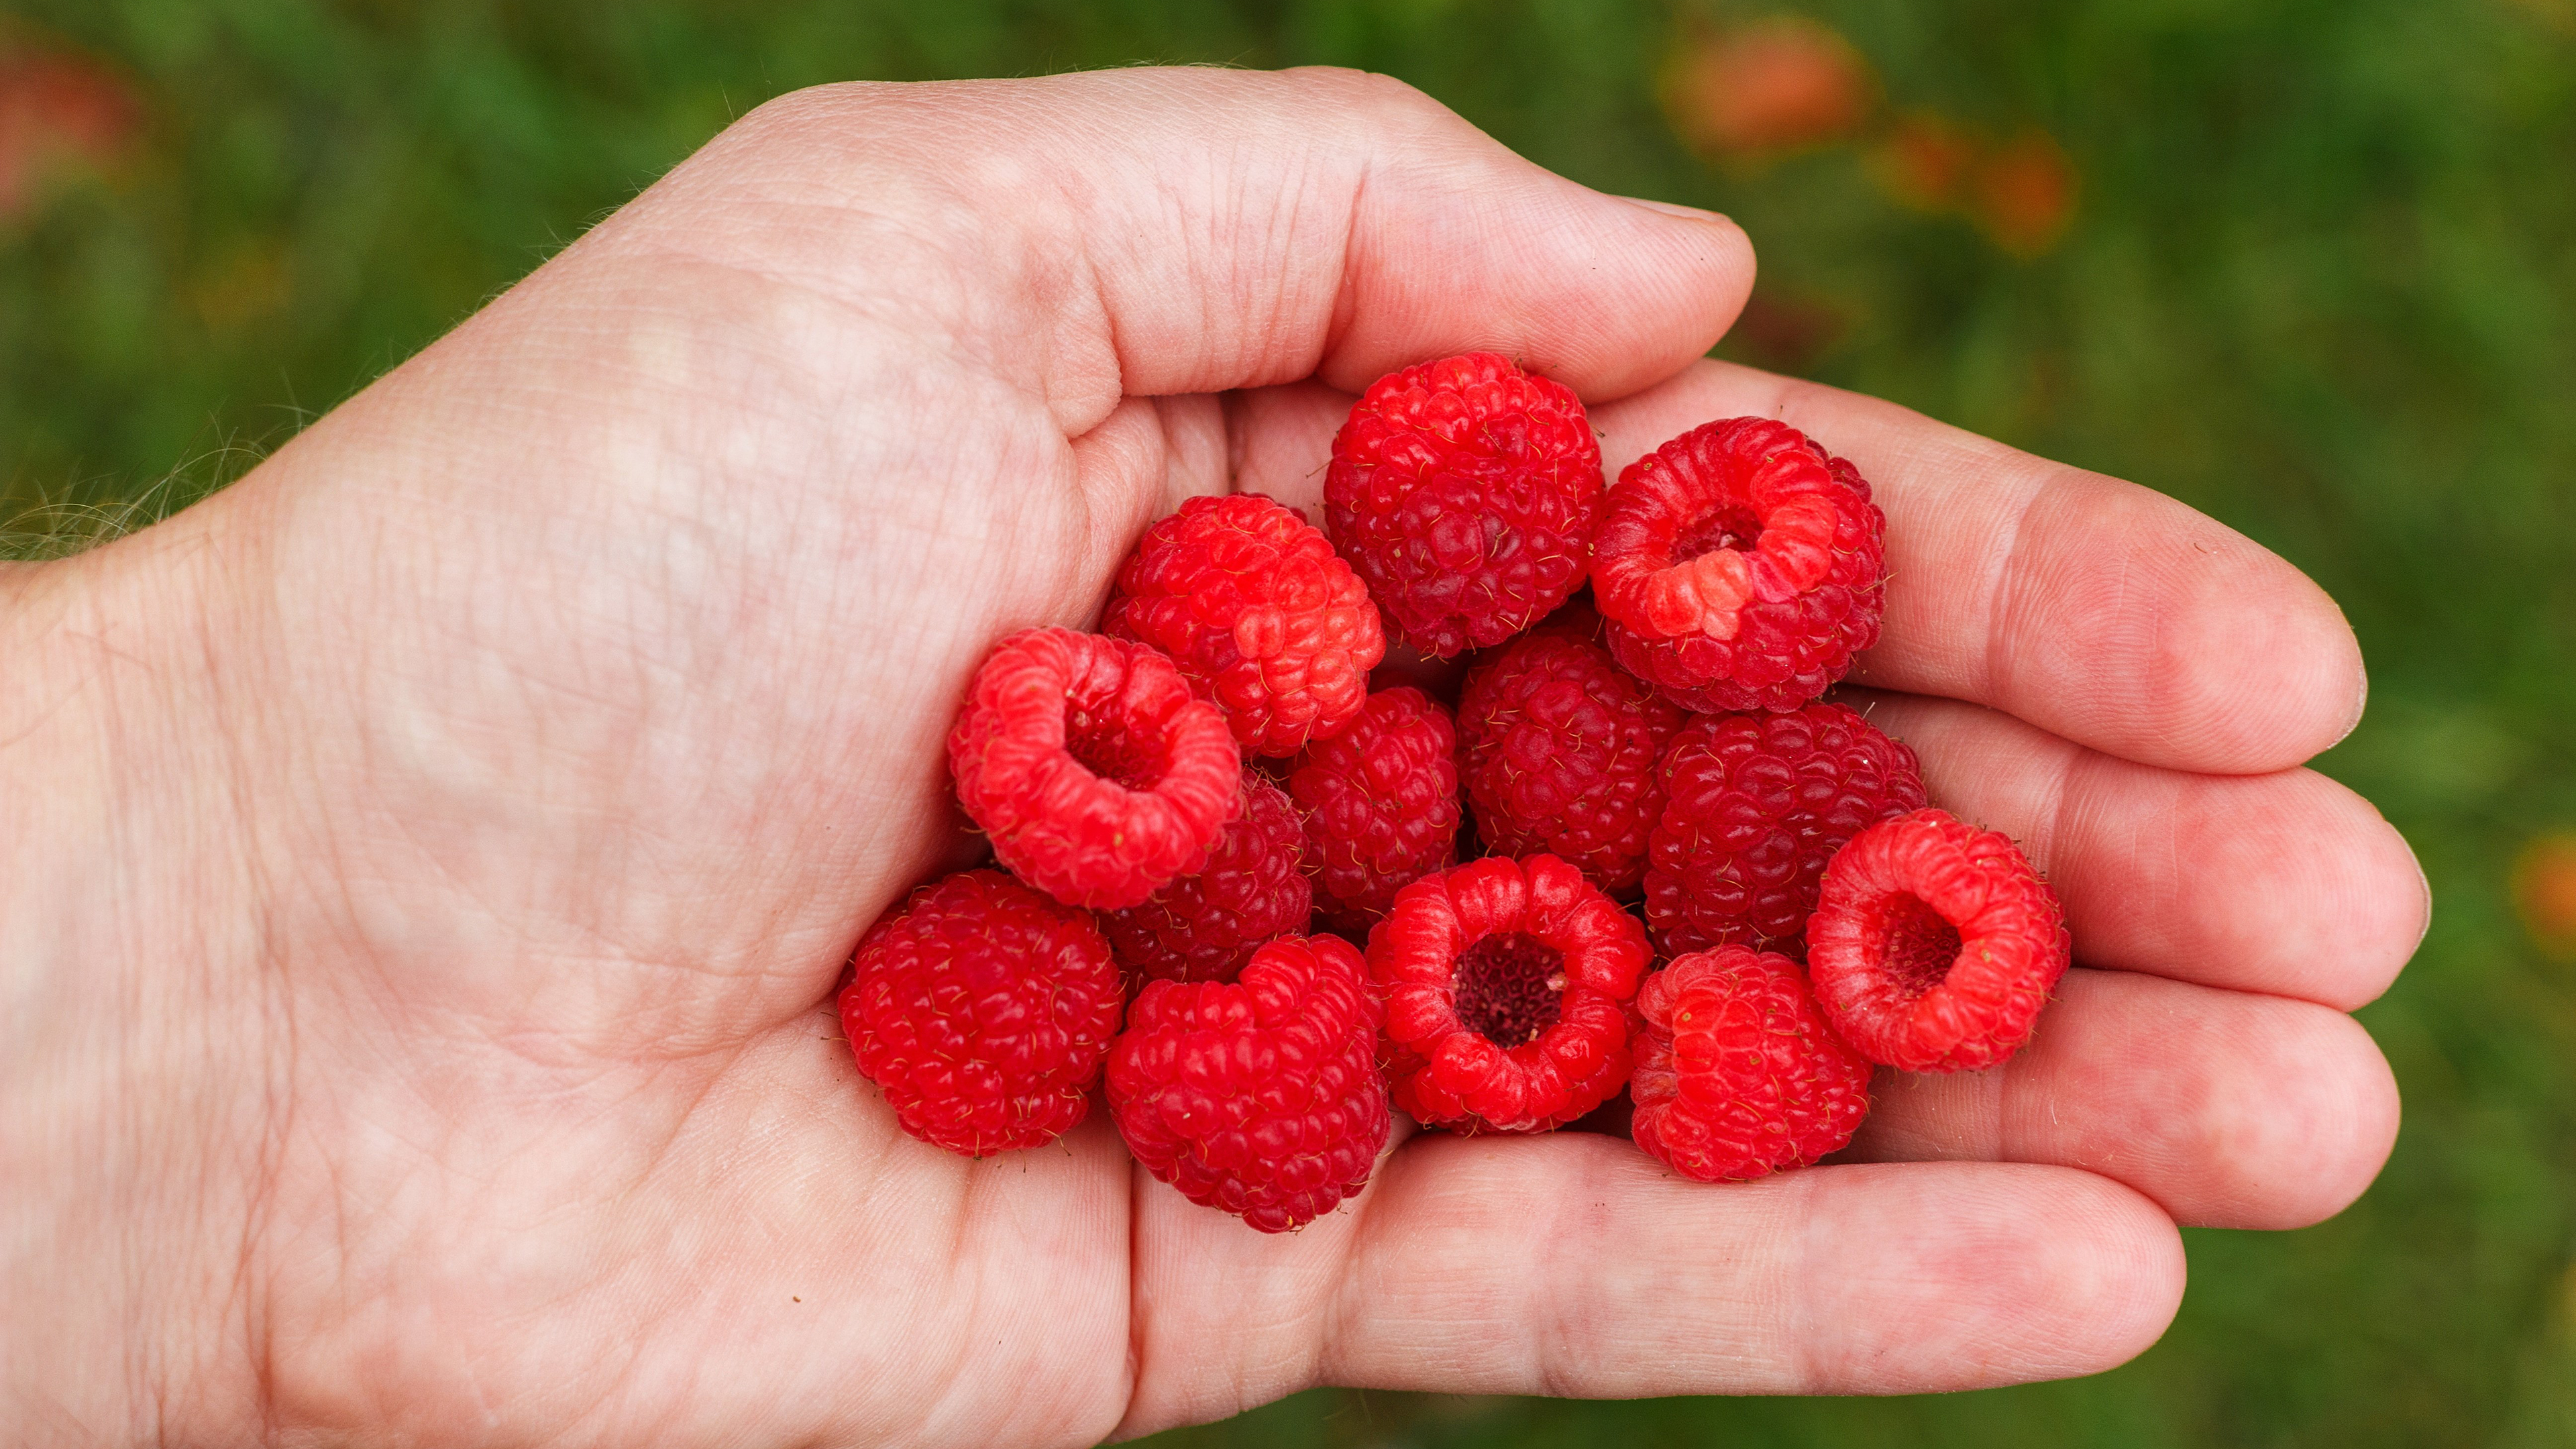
[
  {"x": 1738, "y": 1074},
  {"x": 1259, "y": 613},
  {"x": 1740, "y": 566},
  {"x": 1507, "y": 985},
  {"x": 1559, "y": 746},
  {"x": 1261, "y": 1097},
  {"x": 1934, "y": 944},
  {"x": 982, "y": 1010},
  {"x": 1466, "y": 492},
  {"x": 1097, "y": 774},
  {"x": 1203, "y": 927},
  {"x": 1753, "y": 807},
  {"x": 1381, "y": 806}
]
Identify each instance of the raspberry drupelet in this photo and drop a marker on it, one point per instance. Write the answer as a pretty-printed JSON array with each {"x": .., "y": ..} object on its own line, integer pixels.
[
  {"x": 1205, "y": 925},
  {"x": 1261, "y": 1097},
  {"x": 1738, "y": 1073},
  {"x": 1752, "y": 806},
  {"x": 1558, "y": 750},
  {"x": 1466, "y": 493},
  {"x": 1381, "y": 806},
  {"x": 1507, "y": 986},
  {"x": 982, "y": 1010},
  {"x": 1097, "y": 774},
  {"x": 1934, "y": 944},
  {"x": 1740, "y": 567},
  {"x": 1258, "y": 612}
]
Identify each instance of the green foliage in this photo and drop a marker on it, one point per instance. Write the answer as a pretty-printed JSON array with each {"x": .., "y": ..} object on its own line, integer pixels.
[{"x": 2320, "y": 282}]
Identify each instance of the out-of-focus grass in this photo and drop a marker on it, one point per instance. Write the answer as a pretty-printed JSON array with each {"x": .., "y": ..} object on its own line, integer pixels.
[{"x": 2318, "y": 278}]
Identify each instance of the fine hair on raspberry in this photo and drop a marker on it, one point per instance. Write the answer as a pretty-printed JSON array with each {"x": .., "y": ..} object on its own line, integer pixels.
[
  {"x": 1935, "y": 944},
  {"x": 1260, "y": 1097},
  {"x": 1466, "y": 492},
  {"x": 1752, "y": 806},
  {"x": 1558, "y": 749},
  {"x": 1096, "y": 772},
  {"x": 1259, "y": 614},
  {"x": 1381, "y": 806},
  {"x": 1205, "y": 925},
  {"x": 982, "y": 1010},
  {"x": 1738, "y": 1072},
  {"x": 1507, "y": 986},
  {"x": 1740, "y": 567}
]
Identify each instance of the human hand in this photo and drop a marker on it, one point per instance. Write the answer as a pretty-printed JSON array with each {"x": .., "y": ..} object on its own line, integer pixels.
[{"x": 428, "y": 864}]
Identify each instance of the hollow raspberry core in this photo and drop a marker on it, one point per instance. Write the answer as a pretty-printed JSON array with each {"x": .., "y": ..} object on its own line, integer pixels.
[
  {"x": 1113, "y": 749},
  {"x": 1920, "y": 947},
  {"x": 1736, "y": 528},
  {"x": 1510, "y": 988},
  {"x": 1097, "y": 774},
  {"x": 1739, "y": 567},
  {"x": 1934, "y": 944}
]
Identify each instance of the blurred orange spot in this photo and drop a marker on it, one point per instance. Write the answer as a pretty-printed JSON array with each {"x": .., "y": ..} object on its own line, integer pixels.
[
  {"x": 2023, "y": 194},
  {"x": 56, "y": 107},
  {"x": 1767, "y": 87},
  {"x": 1925, "y": 159},
  {"x": 2544, "y": 890}
]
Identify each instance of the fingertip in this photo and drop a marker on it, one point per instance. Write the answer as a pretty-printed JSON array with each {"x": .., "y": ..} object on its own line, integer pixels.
[
  {"x": 2054, "y": 1273},
  {"x": 2388, "y": 909},
  {"x": 2330, "y": 1130},
  {"x": 2295, "y": 685},
  {"x": 1460, "y": 245}
]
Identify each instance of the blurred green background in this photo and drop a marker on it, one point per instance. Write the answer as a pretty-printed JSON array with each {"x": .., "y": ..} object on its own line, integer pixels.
[{"x": 2310, "y": 266}]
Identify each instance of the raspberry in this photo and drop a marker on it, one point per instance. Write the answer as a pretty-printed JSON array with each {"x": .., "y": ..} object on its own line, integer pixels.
[
  {"x": 1466, "y": 492},
  {"x": 1738, "y": 1075},
  {"x": 1261, "y": 1097},
  {"x": 1753, "y": 807},
  {"x": 1740, "y": 567},
  {"x": 1934, "y": 944},
  {"x": 1203, "y": 927},
  {"x": 1558, "y": 752},
  {"x": 982, "y": 1010},
  {"x": 1507, "y": 985},
  {"x": 1381, "y": 806},
  {"x": 1259, "y": 613},
  {"x": 1097, "y": 774}
]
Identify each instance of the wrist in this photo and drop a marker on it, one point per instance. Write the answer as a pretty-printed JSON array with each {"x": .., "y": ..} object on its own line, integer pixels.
[{"x": 136, "y": 1120}]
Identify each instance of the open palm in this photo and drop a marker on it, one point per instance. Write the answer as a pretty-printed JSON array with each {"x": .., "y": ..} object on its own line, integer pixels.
[{"x": 466, "y": 818}]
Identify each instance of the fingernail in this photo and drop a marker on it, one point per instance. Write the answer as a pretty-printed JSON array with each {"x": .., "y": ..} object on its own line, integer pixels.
[
  {"x": 1675, "y": 208},
  {"x": 2427, "y": 882},
  {"x": 2359, "y": 706}
]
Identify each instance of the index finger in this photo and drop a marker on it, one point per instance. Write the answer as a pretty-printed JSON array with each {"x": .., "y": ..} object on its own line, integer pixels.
[{"x": 2098, "y": 610}]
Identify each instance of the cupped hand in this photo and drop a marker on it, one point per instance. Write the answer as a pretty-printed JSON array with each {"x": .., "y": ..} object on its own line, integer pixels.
[{"x": 428, "y": 863}]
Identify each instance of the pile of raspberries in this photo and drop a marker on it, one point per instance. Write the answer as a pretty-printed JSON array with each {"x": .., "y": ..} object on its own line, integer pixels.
[{"x": 1235, "y": 881}]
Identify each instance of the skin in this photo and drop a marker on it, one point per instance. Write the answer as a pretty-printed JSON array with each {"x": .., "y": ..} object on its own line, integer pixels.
[{"x": 427, "y": 864}]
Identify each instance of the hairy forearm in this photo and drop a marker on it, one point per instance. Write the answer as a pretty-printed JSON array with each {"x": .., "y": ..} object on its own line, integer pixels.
[{"x": 135, "y": 1117}]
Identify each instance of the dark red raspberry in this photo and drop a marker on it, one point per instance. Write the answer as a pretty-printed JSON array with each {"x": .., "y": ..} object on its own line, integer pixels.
[
  {"x": 1466, "y": 492},
  {"x": 1753, "y": 807},
  {"x": 1738, "y": 1074},
  {"x": 1097, "y": 774},
  {"x": 1261, "y": 1097},
  {"x": 1259, "y": 613},
  {"x": 982, "y": 1010},
  {"x": 1203, "y": 927},
  {"x": 1740, "y": 566},
  {"x": 1558, "y": 752},
  {"x": 1934, "y": 944},
  {"x": 1381, "y": 806},
  {"x": 1507, "y": 985}
]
